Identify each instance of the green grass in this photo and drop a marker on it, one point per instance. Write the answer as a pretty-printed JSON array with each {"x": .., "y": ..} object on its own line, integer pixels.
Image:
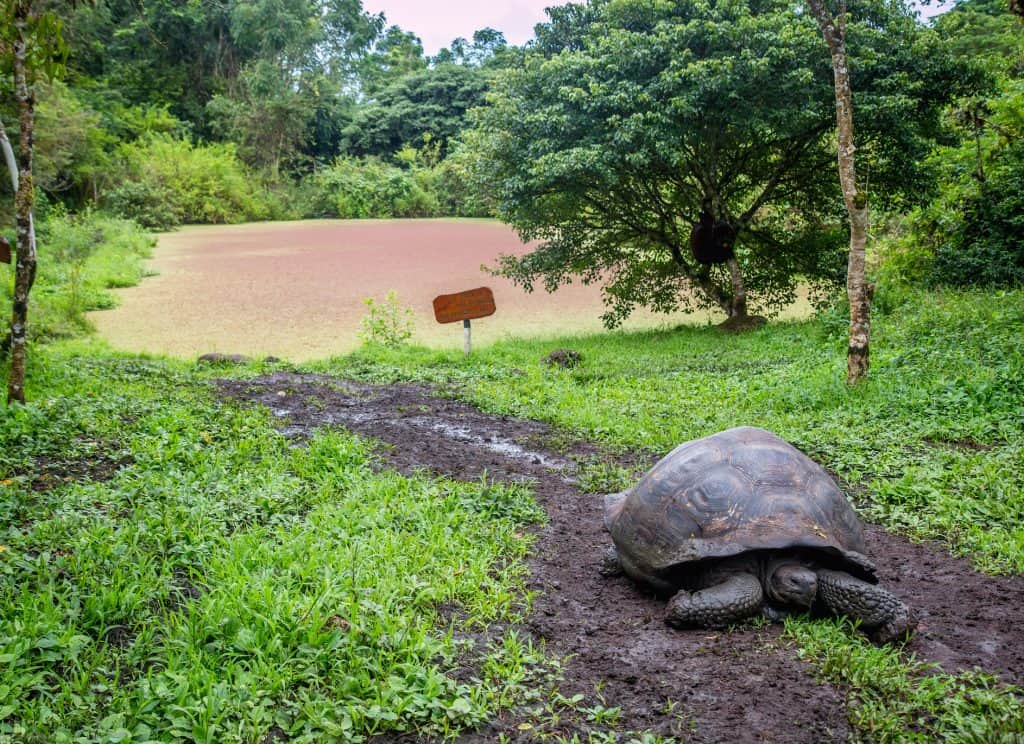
[
  {"x": 80, "y": 258},
  {"x": 225, "y": 583},
  {"x": 896, "y": 699}
]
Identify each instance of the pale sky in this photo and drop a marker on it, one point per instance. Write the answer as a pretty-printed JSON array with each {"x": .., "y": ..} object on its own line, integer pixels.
[{"x": 437, "y": 23}]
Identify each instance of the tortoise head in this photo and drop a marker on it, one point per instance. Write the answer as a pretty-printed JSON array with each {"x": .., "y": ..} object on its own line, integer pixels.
[{"x": 792, "y": 584}]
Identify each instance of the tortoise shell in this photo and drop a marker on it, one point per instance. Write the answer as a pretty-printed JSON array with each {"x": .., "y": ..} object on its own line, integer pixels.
[{"x": 740, "y": 490}]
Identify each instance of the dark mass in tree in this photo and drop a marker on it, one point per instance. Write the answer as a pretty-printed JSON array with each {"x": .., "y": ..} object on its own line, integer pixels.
[{"x": 711, "y": 241}]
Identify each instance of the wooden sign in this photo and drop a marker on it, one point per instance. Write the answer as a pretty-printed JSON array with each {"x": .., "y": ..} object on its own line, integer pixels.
[
  {"x": 5, "y": 250},
  {"x": 469, "y": 305}
]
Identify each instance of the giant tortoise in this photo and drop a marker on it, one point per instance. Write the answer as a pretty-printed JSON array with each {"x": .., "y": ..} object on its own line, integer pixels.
[{"x": 742, "y": 523}]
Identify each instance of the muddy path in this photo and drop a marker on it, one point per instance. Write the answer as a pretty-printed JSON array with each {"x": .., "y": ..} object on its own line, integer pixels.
[{"x": 744, "y": 685}]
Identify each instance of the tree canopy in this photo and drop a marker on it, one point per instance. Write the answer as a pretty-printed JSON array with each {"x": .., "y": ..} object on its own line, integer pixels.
[
  {"x": 431, "y": 103},
  {"x": 629, "y": 116}
]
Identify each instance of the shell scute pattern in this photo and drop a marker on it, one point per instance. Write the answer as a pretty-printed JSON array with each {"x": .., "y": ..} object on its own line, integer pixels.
[{"x": 740, "y": 490}]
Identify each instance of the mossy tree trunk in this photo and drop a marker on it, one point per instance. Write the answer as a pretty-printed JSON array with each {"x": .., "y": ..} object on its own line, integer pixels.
[
  {"x": 858, "y": 289},
  {"x": 25, "y": 266}
]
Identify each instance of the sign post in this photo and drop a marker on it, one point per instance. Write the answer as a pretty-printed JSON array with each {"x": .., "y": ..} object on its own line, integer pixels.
[{"x": 465, "y": 306}]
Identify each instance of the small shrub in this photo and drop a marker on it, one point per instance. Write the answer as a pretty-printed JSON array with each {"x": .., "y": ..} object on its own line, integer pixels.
[
  {"x": 152, "y": 205},
  {"x": 73, "y": 240},
  {"x": 387, "y": 322}
]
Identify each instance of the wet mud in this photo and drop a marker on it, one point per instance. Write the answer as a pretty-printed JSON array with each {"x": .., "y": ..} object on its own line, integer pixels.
[{"x": 704, "y": 686}]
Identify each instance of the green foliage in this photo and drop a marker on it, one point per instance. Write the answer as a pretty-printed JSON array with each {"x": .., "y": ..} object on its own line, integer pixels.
[
  {"x": 488, "y": 49},
  {"x": 899, "y": 699},
  {"x": 170, "y": 181},
  {"x": 354, "y": 188},
  {"x": 983, "y": 31},
  {"x": 601, "y": 476},
  {"x": 607, "y": 140},
  {"x": 971, "y": 234},
  {"x": 387, "y": 322},
  {"x": 234, "y": 49},
  {"x": 268, "y": 116},
  {"x": 80, "y": 258},
  {"x": 71, "y": 145},
  {"x": 430, "y": 103},
  {"x": 395, "y": 54},
  {"x": 148, "y": 203},
  {"x": 213, "y": 583},
  {"x": 46, "y": 49}
]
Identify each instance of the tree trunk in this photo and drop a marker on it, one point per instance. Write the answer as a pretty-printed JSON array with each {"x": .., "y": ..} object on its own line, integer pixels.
[
  {"x": 857, "y": 287},
  {"x": 25, "y": 268},
  {"x": 738, "y": 304}
]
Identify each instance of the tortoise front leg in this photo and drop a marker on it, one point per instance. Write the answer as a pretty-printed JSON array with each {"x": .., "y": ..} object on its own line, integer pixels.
[
  {"x": 881, "y": 613},
  {"x": 738, "y": 597}
]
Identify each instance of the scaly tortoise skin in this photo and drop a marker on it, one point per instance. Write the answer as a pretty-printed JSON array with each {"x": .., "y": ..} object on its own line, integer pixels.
[{"x": 742, "y": 523}]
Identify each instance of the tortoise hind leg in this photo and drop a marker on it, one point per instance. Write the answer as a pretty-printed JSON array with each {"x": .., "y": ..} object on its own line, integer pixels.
[
  {"x": 738, "y": 597},
  {"x": 881, "y": 613}
]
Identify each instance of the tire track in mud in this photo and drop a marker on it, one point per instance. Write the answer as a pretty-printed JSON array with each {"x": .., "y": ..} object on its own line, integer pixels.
[{"x": 705, "y": 686}]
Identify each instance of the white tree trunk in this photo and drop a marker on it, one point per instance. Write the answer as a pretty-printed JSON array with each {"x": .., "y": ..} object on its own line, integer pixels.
[{"x": 12, "y": 171}]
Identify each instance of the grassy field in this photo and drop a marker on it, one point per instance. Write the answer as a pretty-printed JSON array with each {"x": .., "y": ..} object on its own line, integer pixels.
[{"x": 171, "y": 569}]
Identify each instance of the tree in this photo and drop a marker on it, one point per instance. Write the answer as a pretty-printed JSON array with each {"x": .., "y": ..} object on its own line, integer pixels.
[
  {"x": 984, "y": 30},
  {"x": 487, "y": 45},
  {"x": 631, "y": 117},
  {"x": 859, "y": 291},
  {"x": 279, "y": 73},
  {"x": 299, "y": 57},
  {"x": 395, "y": 54},
  {"x": 32, "y": 34}
]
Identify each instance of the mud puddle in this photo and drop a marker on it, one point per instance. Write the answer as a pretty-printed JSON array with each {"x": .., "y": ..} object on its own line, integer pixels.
[{"x": 744, "y": 685}]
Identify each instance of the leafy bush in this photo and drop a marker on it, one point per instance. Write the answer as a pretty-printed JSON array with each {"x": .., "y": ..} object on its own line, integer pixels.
[
  {"x": 169, "y": 181},
  {"x": 354, "y": 188},
  {"x": 150, "y": 204},
  {"x": 449, "y": 181},
  {"x": 387, "y": 322}
]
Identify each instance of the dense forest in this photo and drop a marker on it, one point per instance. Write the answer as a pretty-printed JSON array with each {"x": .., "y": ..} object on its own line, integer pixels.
[
  {"x": 170, "y": 113},
  {"x": 173, "y": 113}
]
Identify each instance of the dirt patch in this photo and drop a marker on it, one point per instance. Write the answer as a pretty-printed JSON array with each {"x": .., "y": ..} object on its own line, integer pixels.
[
  {"x": 743, "y": 685},
  {"x": 968, "y": 620}
]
